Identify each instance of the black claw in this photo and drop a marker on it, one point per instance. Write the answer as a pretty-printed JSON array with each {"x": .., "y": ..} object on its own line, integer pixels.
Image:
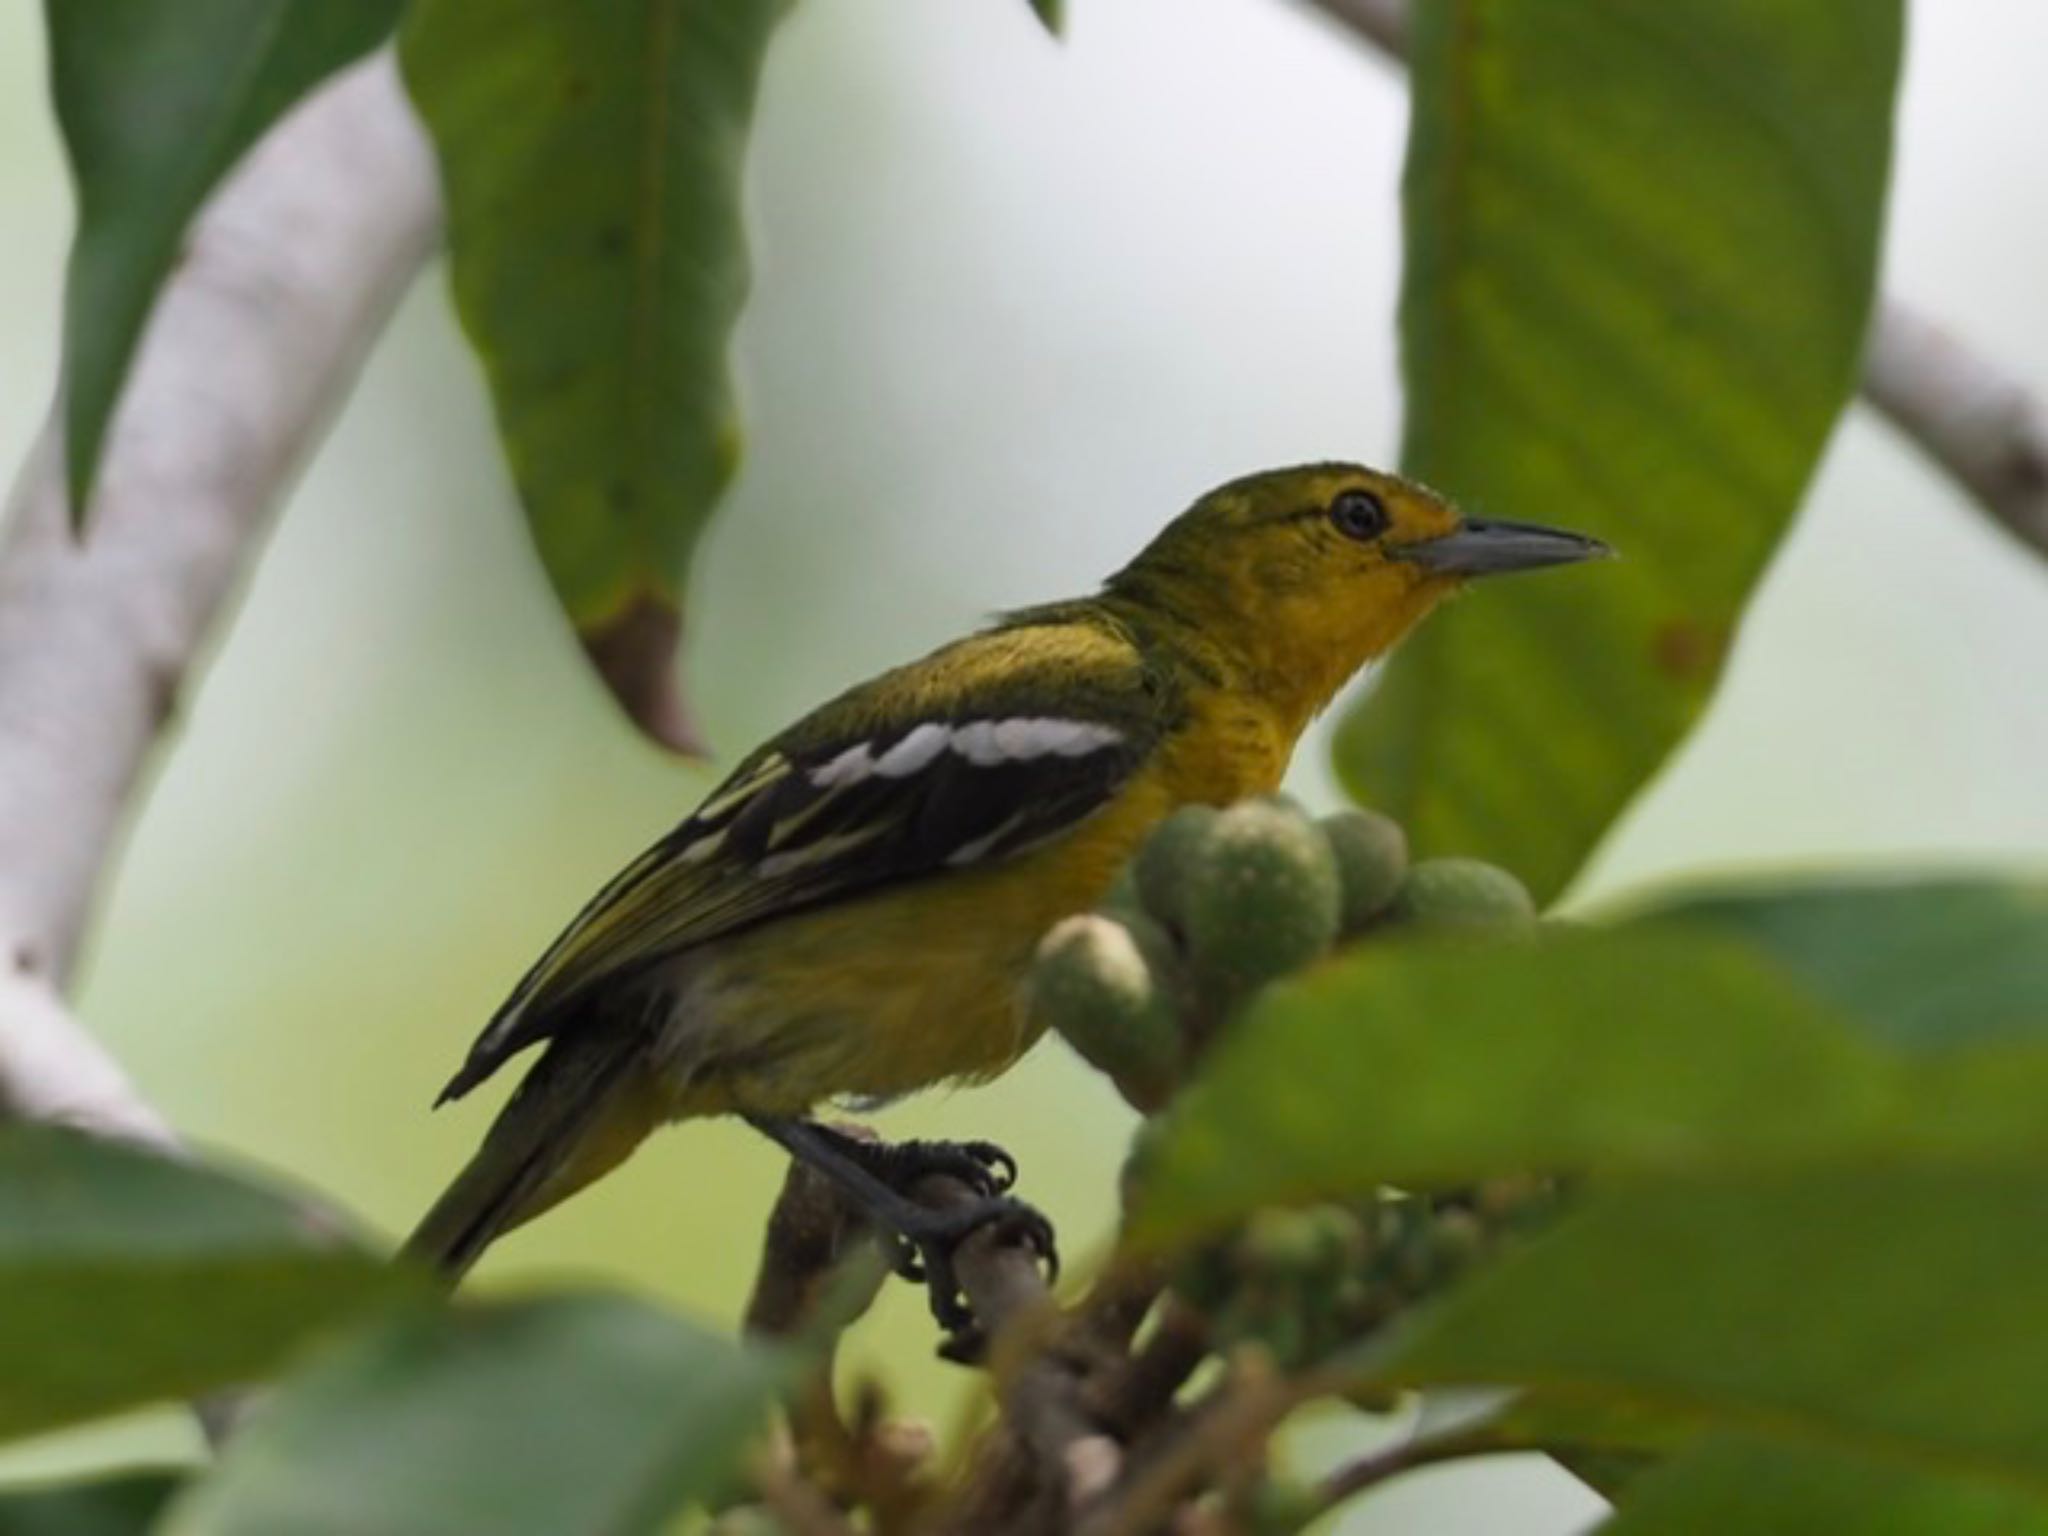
[
  {"x": 1002, "y": 1167},
  {"x": 920, "y": 1242},
  {"x": 936, "y": 1240}
]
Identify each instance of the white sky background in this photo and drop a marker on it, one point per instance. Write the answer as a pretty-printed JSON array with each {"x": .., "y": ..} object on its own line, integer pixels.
[{"x": 1018, "y": 303}]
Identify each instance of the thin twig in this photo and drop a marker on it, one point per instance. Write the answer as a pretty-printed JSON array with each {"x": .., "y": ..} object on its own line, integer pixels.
[
  {"x": 797, "y": 1507},
  {"x": 1232, "y": 1423},
  {"x": 1409, "y": 1455},
  {"x": 1052, "y": 1455},
  {"x": 1984, "y": 427}
]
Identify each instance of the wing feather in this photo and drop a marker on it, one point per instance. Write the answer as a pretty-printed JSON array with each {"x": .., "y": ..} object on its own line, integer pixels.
[{"x": 978, "y": 753}]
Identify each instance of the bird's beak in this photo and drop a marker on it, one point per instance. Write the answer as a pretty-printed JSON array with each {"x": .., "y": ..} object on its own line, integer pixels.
[{"x": 1484, "y": 547}]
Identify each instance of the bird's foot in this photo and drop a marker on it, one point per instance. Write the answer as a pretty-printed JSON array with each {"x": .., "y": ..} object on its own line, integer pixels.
[
  {"x": 925, "y": 1250},
  {"x": 982, "y": 1166},
  {"x": 883, "y": 1178}
]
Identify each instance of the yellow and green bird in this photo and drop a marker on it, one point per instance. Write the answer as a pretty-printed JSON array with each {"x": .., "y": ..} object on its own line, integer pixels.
[{"x": 851, "y": 912}]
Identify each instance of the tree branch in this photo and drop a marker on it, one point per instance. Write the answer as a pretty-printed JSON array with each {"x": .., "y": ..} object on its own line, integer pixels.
[
  {"x": 1973, "y": 419},
  {"x": 289, "y": 273},
  {"x": 1981, "y": 425}
]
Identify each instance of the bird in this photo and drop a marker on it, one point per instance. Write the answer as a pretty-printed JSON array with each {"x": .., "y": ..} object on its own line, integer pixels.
[{"x": 851, "y": 913}]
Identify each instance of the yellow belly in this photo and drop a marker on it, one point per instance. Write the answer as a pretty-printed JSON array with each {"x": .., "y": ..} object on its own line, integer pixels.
[{"x": 888, "y": 993}]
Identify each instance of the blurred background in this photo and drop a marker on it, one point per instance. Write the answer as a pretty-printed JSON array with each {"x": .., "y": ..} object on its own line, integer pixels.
[{"x": 1017, "y": 304}]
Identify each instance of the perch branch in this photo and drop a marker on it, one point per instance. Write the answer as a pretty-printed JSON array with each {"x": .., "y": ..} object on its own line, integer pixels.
[
  {"x": 288, "y": 274},
  {"x": 1984, "y": 428}
]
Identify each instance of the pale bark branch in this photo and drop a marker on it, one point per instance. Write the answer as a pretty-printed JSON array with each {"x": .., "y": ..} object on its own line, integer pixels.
[
  {"x": 288, "y": 274},
  {"x": 1987, "y": 430},
  {"x": 1980, "y": 424}
]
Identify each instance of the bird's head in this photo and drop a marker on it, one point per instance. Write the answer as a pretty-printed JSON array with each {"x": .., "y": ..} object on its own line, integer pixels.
[{"x": 1302, "y": 576}]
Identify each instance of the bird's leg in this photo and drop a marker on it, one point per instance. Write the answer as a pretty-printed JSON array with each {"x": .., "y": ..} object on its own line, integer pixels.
[{"x": 879, "y": 1177}]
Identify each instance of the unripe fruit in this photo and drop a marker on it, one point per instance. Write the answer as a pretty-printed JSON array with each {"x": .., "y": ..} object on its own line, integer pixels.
[
  {"x": 1465, "y": 894},
  {"x": 1092, "y": 983},
  {"x": 1262, "y": 898},
  {"x": 1120, "y": 901},
  {"x": 1280, "y": 1242},
  {"x": 1170, "y": 852},
  {"x": 1372, "y": 859}
]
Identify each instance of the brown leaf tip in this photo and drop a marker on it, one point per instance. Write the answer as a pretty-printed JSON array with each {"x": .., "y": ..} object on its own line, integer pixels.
[{"x": 635, "y": 652}]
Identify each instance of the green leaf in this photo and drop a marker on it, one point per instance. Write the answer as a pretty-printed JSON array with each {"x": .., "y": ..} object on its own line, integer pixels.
[
  {"x": 1641, "y": 249},
  {"x": 126, "y": 1505},
  {"x": 1051, "y": 14},
  {"x": 592, "y": 156},
  {"x": 156, "y": 102},
  {"x": 1893, "y": 1310},
  {"x": 1736, "y": 1484},
  {"x": 569, "y": 1415},
  {"x": 126, "y": 1278},
  {"x": 1936, "y": 962},
  {"x": 1677, "y": 1043}
]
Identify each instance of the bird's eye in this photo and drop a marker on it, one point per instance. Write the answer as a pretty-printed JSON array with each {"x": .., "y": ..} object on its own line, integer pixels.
[{"x": 1359, "y": 514}]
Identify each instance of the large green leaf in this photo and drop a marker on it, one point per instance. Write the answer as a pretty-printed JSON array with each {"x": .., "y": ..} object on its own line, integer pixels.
[
  {"x": 1748, "y": 1485},
  {"x": 558, "y": 1417},
  {"x": 126, "y": 1505},
  {"x": 1935, "y": 962},
  {"x": 156, "y": 102},
  {"x": 1641, "y": 245},
  {"x": 1896, "y": 1309},
  {"x": 126, "y": 1279},
  {"x": 592, "y": 155},
  {"x": 1689, "y": 1041}
]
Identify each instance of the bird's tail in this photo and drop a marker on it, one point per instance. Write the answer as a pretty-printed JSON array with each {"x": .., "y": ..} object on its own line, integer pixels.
[{"x": 577, "y": 1114}]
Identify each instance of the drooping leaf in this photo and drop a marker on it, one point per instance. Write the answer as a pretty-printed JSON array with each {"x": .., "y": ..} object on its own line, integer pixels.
[
  {"x": 592, "y": 156},
  {"x": 125, "y": 1505},
  {"x": 1737, "y": 1484},
  {"x": 126, "y": 1279},
  {"x": 1882, "y": 1307},
  {"x": 1641, "y": 243},
  {"x": 1677, "y": 1043},
  {"x": 554, "y": 1417},
  {"x": 1051, "y": 14},
  {"x": 156, "y": 103}
]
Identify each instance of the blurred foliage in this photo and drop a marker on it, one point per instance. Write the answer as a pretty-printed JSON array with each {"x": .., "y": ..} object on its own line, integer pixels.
[
  {"x": 127, "y": 1505},
  {"x": 156, "y": 103},
  {"x": 102, "y": 1245},
  {"x": 1649, "y": 1048},
  {"x": 1760, "y": 1163},
  {"x": 1641, "y": 248},
  {"x": 592, "y": 158},
  {"x": 569, "y": 1413},
  {"x": 1876, "y": 1303},
  {"x": 1739, "y": 1484}
]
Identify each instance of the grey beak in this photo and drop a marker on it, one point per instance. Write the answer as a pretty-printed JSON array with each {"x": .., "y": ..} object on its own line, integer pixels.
[{"x": 1484, "y": 547}]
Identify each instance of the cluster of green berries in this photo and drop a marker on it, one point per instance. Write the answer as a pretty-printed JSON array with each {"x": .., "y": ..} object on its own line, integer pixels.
[
  {"x": 1218, "y": 903},
  {"x": 1302, "y": 1283}
]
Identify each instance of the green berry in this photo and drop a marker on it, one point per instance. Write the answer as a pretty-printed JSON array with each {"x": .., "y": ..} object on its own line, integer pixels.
[
  {"x": 1464, "y": 894},
  {"x": 1120, "y": 901},
  {"x": 1262, "y": 898},
  {"x": 1161, "y": 868},
  {"x": 1280, "y": 1242},
  {"x": 1092, "y": 983},
  {"x": 1372, "y": 859}
]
